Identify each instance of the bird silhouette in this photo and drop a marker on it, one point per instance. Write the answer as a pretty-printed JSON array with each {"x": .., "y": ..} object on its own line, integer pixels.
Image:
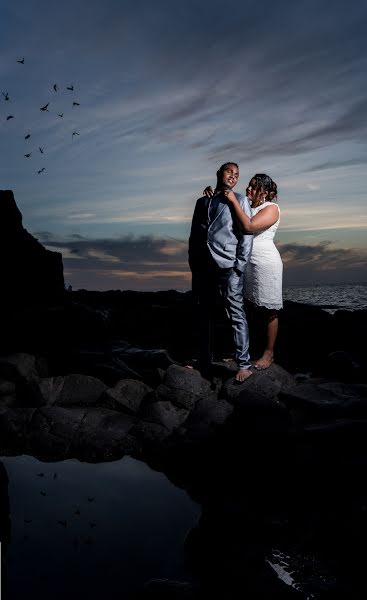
[
  {"x": 71, "y": 88},
  {"x": 75, "y": 133},
  {"x": 55, "y": 474},
  {"x": 45, "y": 107},
  {"x": 76, "y": 104},
  {"x": 21, "y": 61},
  {"x": 40, "y": 474},
  {"x": 92, "y": 524},
  {"x": 63, "y": 523},
  {"x": 41, "y": 150},
  {"x": 28, "y": 155},
  {"x": 26, "y": 137},
  {"x": 60, "y": 115},
  {"x": 25, "y": 537},
  {"x": 40, "y": 171},
  {"x": 90, "y": 498},
  {"x": 27, "y": 520},
  {"x": 9, "y": 117},
  {"x": 77, "y": 512},
  {"x": 6, "y": 96},
  {"x": 43, "y": 493},
  {"x": 56, "y": 87}
]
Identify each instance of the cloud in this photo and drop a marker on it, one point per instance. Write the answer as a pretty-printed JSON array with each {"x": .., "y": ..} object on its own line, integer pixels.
[{"x": 150, "y": 263}]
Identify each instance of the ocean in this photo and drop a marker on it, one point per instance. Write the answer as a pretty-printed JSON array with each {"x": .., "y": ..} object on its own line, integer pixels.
[{"x": 329, "y": 297}]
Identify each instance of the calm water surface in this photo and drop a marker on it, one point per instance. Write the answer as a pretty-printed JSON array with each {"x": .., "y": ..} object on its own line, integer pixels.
[{"x": 84, "y": 530}]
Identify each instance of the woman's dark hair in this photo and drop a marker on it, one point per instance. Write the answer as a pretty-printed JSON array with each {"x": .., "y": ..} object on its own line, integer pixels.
[{"x": 267, "y": 184}]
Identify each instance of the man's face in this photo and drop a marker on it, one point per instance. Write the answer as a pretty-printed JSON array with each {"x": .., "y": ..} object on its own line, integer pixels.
[{"x": 230, "y": 176}]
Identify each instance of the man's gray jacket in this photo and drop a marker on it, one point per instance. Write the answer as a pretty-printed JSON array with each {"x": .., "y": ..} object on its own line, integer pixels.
[{"x": 222, "y": 235}]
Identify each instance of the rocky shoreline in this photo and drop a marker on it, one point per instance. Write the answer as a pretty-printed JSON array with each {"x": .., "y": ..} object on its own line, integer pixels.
[{"x": 275, "y": 461}]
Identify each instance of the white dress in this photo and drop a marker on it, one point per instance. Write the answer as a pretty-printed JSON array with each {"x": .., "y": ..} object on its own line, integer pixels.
[{"x": 264, "y": 271}]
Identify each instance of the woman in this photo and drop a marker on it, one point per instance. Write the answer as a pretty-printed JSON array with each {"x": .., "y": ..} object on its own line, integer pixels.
[{"x": 263, "y": 275}]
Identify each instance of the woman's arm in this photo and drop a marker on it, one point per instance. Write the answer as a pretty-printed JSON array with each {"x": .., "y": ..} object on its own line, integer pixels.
[{"x": 264, "y": 218}]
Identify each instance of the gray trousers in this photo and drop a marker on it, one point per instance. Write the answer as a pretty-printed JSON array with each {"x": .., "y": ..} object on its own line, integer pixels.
[{"x": 208, "y": 282}]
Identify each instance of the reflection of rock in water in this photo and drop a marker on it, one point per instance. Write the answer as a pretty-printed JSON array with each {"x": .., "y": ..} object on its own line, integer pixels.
[
  {"x": 5, "y": 524},
  {"x": 303, "y": 572}
]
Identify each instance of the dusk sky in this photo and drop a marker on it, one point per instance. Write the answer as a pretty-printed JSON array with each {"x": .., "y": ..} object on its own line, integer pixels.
[{"x": 167, "y": 92}]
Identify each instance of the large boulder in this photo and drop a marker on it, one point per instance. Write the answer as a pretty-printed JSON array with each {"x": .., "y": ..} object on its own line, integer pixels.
[
  {"x": 183, "y": 387},
  {"x": 29, "y": 272},
  {"x": 261, "y": 385},
  {"x": 72, "y": 390},
  {"x": 127, "y": 396}
]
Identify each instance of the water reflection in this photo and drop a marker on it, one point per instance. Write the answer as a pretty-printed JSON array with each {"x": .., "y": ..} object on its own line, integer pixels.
[{"x": 91, "y": 529}]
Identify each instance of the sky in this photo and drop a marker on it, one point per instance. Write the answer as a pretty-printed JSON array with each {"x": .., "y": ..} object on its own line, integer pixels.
[{"x": 167, "y": 91}]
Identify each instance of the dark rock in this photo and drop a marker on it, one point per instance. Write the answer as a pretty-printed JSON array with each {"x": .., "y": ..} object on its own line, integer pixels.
[
  {"x": 208, "y": 415},
  {"x": 183, "y": 387},
  {"x": 6, "y": 387},
  {"x": 311, "y": 401},
  {"x": 164, "y": 413},
  {"x": 103, "y": 435},
  {"x": 342, "y": 365},
  {"x": 261, "y": 385},
  {"x": 29, "y": 272},
  {"x": 142, "y": 359},
  {"x": 52, "y": 430},
  {"x": 127, "y": 396},
  {"x": 72, "y": 390},
  {"x": 19, "y": 366}
]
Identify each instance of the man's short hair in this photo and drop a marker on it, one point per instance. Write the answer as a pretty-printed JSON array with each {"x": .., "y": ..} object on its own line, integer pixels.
[{"x": 222, "y": 167}]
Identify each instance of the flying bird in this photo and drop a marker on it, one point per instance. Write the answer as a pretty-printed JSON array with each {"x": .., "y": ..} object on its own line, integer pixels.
[
  {"x": 40, "y": 474},
  {"x": 26, "y": 137},
  {"x": 41, "y": 150},
  {"x": 6, "y": 96},
  {"x": 27, "y": 520},
  {"x": 77, "y": 512},
  {"x": 58, "y": 114},
  {"x": 56, "y": 87},
  {"x": 90, "y": 498},
  {"x": 71, "y": 88},
  {"x": 28, "y": 155},
  {"x": 75, "y": 133},
  {"x": 63, "y": 523},
  {"x": 9, "y": 117},
  {"x": 43, "y": 493},
  {"x": 45, "y": 107},
  {"x": 21, "y": 61},
  {"x": 92, "y": 524},
  {"x": 76, "y": 104},
  {"x": 55, "y": 474},
  {"x": 40, "y": 171}
]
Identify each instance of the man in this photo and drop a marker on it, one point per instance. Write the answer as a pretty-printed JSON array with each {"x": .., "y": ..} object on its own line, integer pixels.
[{"x": 218, "y": 252}]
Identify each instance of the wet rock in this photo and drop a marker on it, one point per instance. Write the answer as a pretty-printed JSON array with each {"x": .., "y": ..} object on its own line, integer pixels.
[
  {"x": 183, "y": 387},
  {"x": 127, "y": 396},
  {"x": 19, "y": 366},
  {"x": 6, "y": 387},
  {"x": 72, "y": 390},
  {"x": 209, "y": 414},
  {"x": 326, "y": 400},
  {"x": 103, "y": 434},
  {"x": 164, "y": 413},
  {"x": 52, "y": 431},
  {"x": 261, "y": 385},
  {"x": 14, "y": 427}
]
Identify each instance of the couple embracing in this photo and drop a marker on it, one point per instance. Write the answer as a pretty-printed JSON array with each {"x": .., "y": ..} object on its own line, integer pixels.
[{"x": 232, "y": 255}]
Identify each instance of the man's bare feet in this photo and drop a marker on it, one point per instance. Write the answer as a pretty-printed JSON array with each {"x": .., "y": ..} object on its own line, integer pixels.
[
  {"x": 265, "y": 361},
  {"x": 242, "y": 375}
]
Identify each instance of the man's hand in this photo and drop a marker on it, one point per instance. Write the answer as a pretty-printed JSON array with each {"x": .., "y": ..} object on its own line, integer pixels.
[{"x": 209, "y": 192}]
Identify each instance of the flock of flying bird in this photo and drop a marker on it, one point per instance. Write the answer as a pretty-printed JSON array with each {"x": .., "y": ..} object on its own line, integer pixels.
[{"x": 42, "y": 109}]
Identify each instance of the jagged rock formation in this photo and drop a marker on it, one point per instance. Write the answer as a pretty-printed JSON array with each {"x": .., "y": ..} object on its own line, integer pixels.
[{"x": 29, "y": 272}]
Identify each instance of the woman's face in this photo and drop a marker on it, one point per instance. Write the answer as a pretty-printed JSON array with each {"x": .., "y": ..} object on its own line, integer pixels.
[{"x": 251, "y": 189}]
